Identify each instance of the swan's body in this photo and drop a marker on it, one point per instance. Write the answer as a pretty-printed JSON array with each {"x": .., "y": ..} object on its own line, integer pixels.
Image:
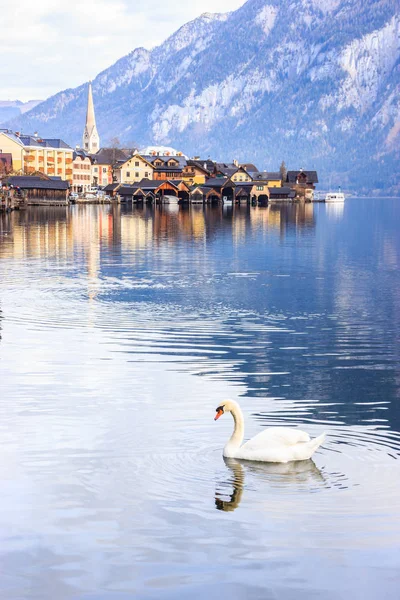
[{"x": 275, "y": 444}]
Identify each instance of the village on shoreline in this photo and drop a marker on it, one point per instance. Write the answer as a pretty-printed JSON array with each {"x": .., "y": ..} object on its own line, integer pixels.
[{"x": 35, "y": 170}]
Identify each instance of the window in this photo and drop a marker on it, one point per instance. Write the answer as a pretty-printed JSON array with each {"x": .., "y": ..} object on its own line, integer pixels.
[
  {"x": 104, "y": 169},
  {"x": 146, "y": 174},
  {"x": 95, "y": 169},
  {"x": 128, "y": 173},
  {"x": 137, "y": 163},
  {"x": 260, "y": 187},
  {"x": 136, "y": 174}
]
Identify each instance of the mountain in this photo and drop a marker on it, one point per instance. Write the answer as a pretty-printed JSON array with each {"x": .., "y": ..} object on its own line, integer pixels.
[
  {"x": 313, "y": 82},
  {"x": 9, "y": 109}
]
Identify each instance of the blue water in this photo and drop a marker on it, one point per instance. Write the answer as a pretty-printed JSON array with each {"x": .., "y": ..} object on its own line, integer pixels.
[{"x": 123, "y": 328}]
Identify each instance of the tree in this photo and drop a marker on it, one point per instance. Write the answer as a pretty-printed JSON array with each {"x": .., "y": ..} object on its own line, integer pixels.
[
  {"x": 114, "y": 142},
  {"x": 283, "y": 171}
]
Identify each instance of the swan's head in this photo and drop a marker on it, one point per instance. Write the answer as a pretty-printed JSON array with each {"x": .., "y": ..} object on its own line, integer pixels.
[{"x": 226, "y": 406}]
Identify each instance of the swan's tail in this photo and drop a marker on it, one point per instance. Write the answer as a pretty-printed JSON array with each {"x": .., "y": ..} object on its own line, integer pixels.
[{"x": 315, "y": 443}]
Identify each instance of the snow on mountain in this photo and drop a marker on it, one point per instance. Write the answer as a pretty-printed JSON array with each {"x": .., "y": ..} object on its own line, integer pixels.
[{"x": 313, "y": 82}]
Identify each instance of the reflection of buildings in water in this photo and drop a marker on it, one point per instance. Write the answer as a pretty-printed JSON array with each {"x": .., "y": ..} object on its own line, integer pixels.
[
  {"x": 282, "y": 217},
  {"x": 61, "y": 232},
  {"x": 334, "y": 210},
  {"x": 137, "y": 229},
  {"x": 278, "y": 475},
  {"x": 38, "y": 233},
  {"x": 171, "y": 223},
  {"x": 58, "y": 232},
  {"x": 298, "y": 216},
  {"x": 239, "y": 222}
]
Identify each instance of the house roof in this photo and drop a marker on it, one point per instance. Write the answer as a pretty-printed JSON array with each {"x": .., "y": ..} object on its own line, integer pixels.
[
  {"x": 206, "y": 189},
  {"x": 249, "y": 167},
  {"x": 205, "y": 166},
  {"x": 126, "y": 190},
  {"x": 29, "y": 183},
  {"x": 111, "y": 187},
  {"x": 10, "y": 134},
  {"x": 216, "y": 182},
  {"x": 166, "y": 169},
  {"x": 109, "y": 156},
  {"x": 282, "y": 191},
  {"x": 137, "y": 156},
  {"x": 181, "y": 160},
  {"x": 81, "y": 154},
  {"x": 266, "y": 176},
  {"x": 227, "y": 171},
  {"x": 153, "y": 184},
  {"x": 312, "y": 176},
  {"x": 34, "y": 140}
]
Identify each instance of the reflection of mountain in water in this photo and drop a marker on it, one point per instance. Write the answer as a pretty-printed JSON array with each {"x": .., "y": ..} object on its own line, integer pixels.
[
  {"x": 285, "y": 299},
  {"x": 292, "y": 476}
]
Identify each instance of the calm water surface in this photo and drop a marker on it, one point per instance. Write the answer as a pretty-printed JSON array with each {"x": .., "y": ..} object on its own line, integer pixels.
[{"x": 121, "y": 331}]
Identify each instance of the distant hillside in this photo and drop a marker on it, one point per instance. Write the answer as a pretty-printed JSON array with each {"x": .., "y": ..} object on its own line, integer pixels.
[
  {"x": 313, "y": 82},
  {"x": 11, "y": 109}
]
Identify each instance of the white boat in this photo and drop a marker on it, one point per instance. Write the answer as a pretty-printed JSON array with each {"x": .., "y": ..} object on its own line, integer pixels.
[{"x": 334, "y": 197}]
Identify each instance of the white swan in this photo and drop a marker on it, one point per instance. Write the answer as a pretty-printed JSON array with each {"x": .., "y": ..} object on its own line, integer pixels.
[{"x": 275, "y": 444}]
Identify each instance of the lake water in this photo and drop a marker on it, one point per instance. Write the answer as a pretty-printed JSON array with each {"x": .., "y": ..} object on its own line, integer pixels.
[{"x": 123, "y": 328}]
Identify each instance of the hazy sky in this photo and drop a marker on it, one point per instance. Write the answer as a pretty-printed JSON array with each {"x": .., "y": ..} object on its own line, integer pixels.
[{"x": 50, "y": 45}]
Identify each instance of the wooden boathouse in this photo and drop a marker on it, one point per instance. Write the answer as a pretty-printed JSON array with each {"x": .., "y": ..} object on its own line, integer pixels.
[{"x": 40, "y": 189}]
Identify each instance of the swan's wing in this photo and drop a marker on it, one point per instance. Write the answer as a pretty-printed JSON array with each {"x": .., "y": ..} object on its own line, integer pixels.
[{"x": 276, "y": 436}]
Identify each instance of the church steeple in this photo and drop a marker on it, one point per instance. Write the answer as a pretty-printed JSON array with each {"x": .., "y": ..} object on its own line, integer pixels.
[{"x": 91, "y": 140}]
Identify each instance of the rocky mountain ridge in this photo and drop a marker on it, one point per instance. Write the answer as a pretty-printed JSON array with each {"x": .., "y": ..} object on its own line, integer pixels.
[{"x": 313, "y": 82}]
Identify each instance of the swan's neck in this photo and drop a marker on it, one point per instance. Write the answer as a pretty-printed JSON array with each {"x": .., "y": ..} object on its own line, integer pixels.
[{"x": 236, "y": 438}]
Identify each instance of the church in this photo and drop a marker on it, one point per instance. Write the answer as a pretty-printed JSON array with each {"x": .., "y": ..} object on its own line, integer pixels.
[{"x": 91, "y": 140}]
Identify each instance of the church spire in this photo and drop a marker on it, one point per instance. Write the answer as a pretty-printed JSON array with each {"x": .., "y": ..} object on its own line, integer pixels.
[{"x": 91, "y": 141}]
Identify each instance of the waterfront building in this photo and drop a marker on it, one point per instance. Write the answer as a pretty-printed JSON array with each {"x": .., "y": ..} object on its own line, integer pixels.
[
  {"x": 232, "y": 170},
  {"x": 153, "y": 190},
  {"x": 41, "y": 189},
  {"x": 281, "y": 193},
  {"x": 33, "y": 154},
  {"x": 302, "y": 182},
  {"x": 133, "y": 170},
  {"x": 104, "y": 163},
  {"x": 270, "y": 179},
  {"x": 195, "y": 172},
  {"x": 81, "y": 172},
  {"x": 91, "y": 139},
  {"x": 166, "y": 167}
]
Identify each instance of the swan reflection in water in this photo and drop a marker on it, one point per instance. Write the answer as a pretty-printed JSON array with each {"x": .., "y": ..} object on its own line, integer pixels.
[{"x": 278, "y": 475}]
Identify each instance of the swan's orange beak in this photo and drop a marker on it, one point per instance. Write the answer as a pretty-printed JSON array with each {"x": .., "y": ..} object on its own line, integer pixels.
[{"x": 219, "y": 413}]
